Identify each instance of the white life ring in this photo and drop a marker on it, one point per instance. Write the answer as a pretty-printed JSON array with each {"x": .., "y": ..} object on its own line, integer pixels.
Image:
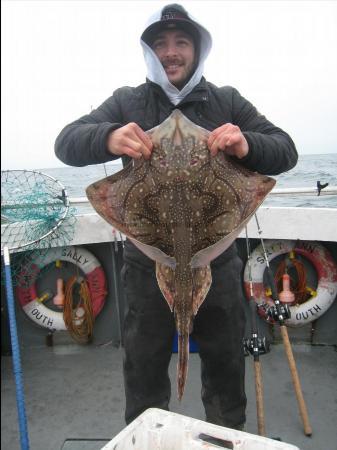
[
  {"x": 323, "y": 263},
  {"x": 28, "y": 298}
]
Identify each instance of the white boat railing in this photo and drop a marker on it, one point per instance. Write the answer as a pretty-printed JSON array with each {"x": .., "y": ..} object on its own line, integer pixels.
[
  {"x": 329, "y": 190},
  {"x": 290, "y": 192},
  {"x": 311, "y": 224},
  {"x": 314, "y": 223}
]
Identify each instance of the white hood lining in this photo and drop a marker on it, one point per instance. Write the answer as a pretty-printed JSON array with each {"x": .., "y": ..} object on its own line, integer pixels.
[{"x": 156, "y": 72}]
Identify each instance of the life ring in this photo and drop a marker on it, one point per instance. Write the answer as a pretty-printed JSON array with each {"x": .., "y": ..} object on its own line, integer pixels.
[
  {"x": 27, "y": 293},
  {"x": 324, "y": 265}
]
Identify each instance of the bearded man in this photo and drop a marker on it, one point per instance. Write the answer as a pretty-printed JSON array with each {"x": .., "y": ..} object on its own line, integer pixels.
[{"x": 175, "y": 48}]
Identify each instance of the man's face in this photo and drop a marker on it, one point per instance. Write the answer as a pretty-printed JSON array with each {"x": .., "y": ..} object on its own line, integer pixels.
[{"x": 175, "y": 50}]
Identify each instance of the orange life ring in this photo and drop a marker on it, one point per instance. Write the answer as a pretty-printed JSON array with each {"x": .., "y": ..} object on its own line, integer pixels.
[
  {"x": 324, "y": 265},
  {"x": 28, "y": 298}
]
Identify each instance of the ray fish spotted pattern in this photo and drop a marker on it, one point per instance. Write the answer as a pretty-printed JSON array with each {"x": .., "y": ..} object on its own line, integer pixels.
[{"x": 182, "y": 208}]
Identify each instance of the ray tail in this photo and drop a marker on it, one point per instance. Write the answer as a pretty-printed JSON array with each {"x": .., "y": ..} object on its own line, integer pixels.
[{"x": 183, "y": 353}]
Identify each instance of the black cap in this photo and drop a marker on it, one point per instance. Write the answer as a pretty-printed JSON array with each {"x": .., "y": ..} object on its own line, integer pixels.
[{"x": 173, "y": 16}]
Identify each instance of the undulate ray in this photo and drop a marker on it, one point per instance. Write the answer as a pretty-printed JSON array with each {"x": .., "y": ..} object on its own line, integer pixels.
[{"x": 182, "y": 208}]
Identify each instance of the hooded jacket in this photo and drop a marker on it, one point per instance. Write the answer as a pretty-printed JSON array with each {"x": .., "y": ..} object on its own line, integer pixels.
[
  {"x": 175, "y": 15},
  {"x": 84, "y": 141}
]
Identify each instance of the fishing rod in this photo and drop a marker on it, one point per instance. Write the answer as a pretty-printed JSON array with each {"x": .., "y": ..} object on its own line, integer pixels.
[
  {"x": 279, "y": 313},
  {"x": 255, "y": 346},
  {"x": 114, "y": 256}
]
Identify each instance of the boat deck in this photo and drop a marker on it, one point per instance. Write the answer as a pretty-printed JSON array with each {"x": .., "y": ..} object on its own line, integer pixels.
[{"x": 75, "y": 396}]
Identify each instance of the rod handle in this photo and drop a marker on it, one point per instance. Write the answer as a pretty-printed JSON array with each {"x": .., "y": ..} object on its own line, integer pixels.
[
  {"x": 259, "y": 399},
  {"x": 296, "y": 381}
]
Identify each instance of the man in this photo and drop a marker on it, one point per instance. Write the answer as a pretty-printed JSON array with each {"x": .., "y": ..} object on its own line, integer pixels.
[{"x": 175, "y": 48}]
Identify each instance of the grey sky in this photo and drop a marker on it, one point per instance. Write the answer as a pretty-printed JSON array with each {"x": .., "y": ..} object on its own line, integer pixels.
[{"x": 62, "y": 58}]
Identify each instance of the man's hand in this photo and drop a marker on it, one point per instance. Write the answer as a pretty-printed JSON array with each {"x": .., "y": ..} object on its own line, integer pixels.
[
  {"x": 229, "y": 139},
  {"x": 130, "y": 140}
]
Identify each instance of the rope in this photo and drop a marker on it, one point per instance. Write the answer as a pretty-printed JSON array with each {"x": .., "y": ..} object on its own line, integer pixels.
[
  {"x": 78, "y": 319},
  {"x": 298, "y": 286}
]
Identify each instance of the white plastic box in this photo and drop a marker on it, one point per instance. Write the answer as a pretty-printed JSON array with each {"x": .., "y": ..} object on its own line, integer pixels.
[{"x": 156, "y": 429}]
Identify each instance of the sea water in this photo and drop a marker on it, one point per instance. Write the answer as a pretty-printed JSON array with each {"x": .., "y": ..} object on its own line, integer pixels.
[{"x": 309, "y": 170}]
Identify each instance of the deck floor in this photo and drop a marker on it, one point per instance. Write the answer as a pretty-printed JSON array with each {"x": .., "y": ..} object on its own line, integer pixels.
[{"x": 75, "y": 398}]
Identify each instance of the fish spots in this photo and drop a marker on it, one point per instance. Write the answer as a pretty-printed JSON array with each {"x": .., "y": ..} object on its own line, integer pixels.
[{"x": 182, "y": 201}]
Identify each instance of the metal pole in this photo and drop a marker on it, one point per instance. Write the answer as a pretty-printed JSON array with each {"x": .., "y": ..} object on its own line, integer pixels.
[
  {"x": 114, "y": 250},
  {"x": 20, "y": 401},
  {"x": 116, "y": 290}
]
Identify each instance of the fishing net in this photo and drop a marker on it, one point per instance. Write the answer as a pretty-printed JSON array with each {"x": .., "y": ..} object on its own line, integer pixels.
[{"x": 35, "y": 216}]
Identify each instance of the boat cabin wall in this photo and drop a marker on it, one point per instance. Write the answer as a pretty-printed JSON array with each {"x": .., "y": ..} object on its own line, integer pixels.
[{"x": 108, "y": 327}]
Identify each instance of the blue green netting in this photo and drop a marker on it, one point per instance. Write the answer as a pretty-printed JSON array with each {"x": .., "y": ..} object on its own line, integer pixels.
[{"x": 35, "y": 216}]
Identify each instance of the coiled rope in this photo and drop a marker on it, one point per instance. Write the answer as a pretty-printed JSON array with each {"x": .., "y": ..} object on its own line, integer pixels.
[
  {"x": 298, "y": 285},
  {"x": 79, "y": 319}
]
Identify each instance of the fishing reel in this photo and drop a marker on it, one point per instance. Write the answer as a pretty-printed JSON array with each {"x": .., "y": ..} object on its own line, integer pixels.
[
  {"x": 279, "y": 312},
  {"x": 255, "y": 346}
]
